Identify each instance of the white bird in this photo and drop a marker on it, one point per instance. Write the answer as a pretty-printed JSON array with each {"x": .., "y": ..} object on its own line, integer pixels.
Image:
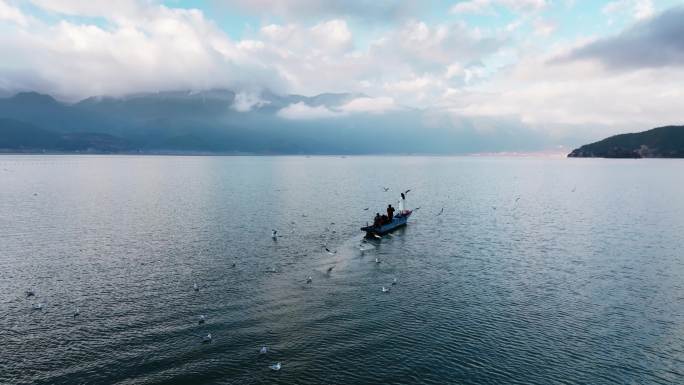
[
  {"x": 201, "y": 319},
  {"x": 37, "y": 306},
  {"x": 394, "y": 281},
  {"x": 274, "y": 234},
  {"x": 385, "y": 289},
  {"x": 327, "y": 250},
  {"x": 195, "y": 286},
  {"x": 308, "y": 279},
  {"x": 77, "y": 312},
  {"x": 207, "y": 338},
  {"x": 377, "y": 260},
  {"x": 275, "y": 366},
  {"x": 263, "y": 350},
  {"x": 30, "y": 293}
]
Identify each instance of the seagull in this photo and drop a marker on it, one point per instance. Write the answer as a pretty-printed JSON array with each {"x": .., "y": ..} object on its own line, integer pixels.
[
  {"x": 366, "y": 209},
  {"x": 206, "y": 339},
  {"x": 386, "y": 189},
  {"x": 376, "y": 236},
  {"x": 30, "y": 293},
  {"x": 385, "y": 289},
  {"x": 263, "y": 350},
  {"x": 440, "y": 211},
  {"x": 233, "y": 265},
  {"x": 407, "y": 191},
  {"x": 377, "y": 260},
  {"x": 274, "y": 235},
  {"x": 327, "y": 250},
  {"x": 37, "y": 306},
  {"x": 77, "y": 312},
  {"x": 195, "y": 286},
  {"x": 330, "y": 269},
  {"x": 275, "y": 366},
  {"x": 201, "y": 319},
  {"x": 308, "y": 279},
  {"x": 517, "y": 199},
  {"x": 394, "y": 281}
]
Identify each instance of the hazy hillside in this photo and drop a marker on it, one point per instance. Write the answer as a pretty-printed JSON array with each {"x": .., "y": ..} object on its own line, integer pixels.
[
  {"x": 661, "y": 142},
  {"x": 219, "y": 121}
]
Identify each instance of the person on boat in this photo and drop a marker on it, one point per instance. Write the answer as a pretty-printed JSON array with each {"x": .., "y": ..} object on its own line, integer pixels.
[
  {"x": 377, "y": 222},
  {"x": 390, "y": 212},
  {"x": 383, "y": 220}
]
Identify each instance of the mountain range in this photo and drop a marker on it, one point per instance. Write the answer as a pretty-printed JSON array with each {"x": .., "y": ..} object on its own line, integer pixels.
[{"x": 221, "y": 121}]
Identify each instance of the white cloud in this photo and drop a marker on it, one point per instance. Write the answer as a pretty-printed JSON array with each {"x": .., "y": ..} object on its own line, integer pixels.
[
  {"x": 302, "y": 111},
  {"x": 369, "y": 105},
  {"x": 245, "y": 101},
  {"x": 487, "y": 6},
  {"x": 639, "y": 9},
  {"x": 12, "y": 14}
]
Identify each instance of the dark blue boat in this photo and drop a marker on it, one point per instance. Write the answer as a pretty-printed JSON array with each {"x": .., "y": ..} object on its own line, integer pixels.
[{"x": 398, "y": 221}]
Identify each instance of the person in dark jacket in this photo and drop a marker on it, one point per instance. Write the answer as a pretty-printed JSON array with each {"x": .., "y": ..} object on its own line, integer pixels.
[
  {"x": 390, "y": 212},
  {"x": 377, "y": 222}
]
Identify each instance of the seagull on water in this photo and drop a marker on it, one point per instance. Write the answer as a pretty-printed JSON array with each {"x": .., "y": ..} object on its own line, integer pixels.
[
  {"x": 366, "y": 209},
  {"x": 206, "y": 339},
  {"x": 195, "y": 286},
  {"x": 330, "y": 269},
  {"x": 394, "y": 281},
  {"x": 327, "y": 250},
  {"x": 263, "y": 350},
  {"x": 308, "y": 279},
  {"x": 37, "y": 306},
  {"x": 201, "y": 319},
  {"x": 385, "y": 289},
  {"x": 274, "y": 234},
  {"x": 377, "y": 260},
  {"x": 30, "y": 293},
  {"x": 77, "y": 312},
  {"x": 275, "y": 366}
]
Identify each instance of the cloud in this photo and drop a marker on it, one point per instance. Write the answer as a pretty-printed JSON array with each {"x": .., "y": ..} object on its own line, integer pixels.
[
  {"x": 487, "y": 6},
  {"x": 296, "y": 10},
  {"x": 640, "y": 9},
  {"x": 302, "y": 111},
  {"x": 12, "y": 14},
  {"x": 246, "y": 101},
  {"x": 652, "y": 43},
  {"x": 370, "y": 105}
]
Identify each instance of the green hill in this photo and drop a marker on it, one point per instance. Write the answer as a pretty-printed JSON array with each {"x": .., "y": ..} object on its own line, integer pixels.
[{"x": 661, "y": 142}]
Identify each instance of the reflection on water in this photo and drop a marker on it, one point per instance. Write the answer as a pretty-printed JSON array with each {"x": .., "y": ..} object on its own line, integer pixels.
[{"x": 537, "y": 271}]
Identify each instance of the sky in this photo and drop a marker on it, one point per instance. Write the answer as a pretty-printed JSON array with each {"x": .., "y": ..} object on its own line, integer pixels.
[{"x": 568, "y": 68}]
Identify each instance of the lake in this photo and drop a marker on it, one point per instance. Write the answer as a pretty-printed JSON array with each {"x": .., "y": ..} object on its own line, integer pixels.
[{"x": 538, "y": 270}]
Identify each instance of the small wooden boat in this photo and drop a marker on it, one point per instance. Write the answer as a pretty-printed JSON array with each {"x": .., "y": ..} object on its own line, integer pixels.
[{"x": 398, "y": 221}]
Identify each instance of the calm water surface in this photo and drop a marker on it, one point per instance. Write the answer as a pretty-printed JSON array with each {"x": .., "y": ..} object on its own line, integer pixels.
[{"x": 579, "y": 281}]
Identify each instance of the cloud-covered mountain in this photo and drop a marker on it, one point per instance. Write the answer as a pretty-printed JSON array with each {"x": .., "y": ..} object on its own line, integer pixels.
[{"x": 221, "y": 121}]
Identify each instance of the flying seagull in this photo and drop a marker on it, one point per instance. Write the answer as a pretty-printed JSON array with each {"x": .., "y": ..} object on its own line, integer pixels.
[
  {"x": 330, "y": 269},
  {"x": 440, "y": 211},
  {"x": 329, "y": 251},
  {"x": 386, "y": 189}
]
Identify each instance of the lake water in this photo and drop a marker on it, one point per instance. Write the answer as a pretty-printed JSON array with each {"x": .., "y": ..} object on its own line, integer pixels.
[{"x": 579, "y": 281}]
